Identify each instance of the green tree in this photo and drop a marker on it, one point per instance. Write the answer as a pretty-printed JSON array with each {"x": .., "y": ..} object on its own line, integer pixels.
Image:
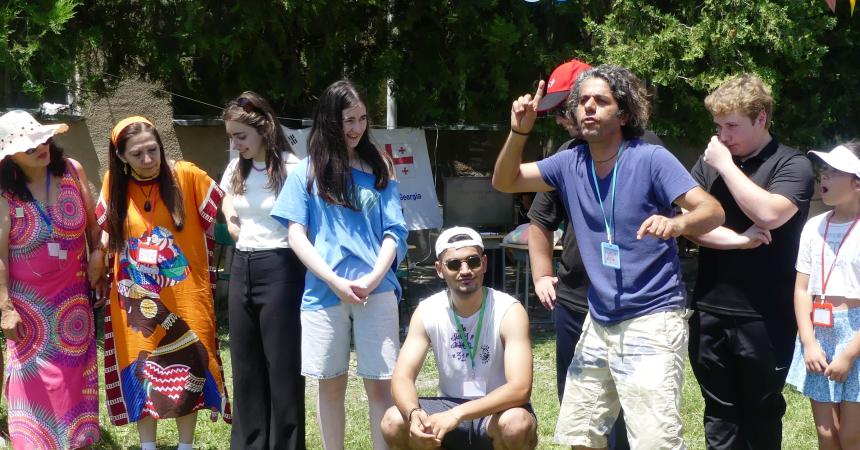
[{"x": 450, "y": 61}]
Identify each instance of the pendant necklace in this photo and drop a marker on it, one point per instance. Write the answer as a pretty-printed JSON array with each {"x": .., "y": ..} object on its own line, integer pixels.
[{"x": 147, "y": 206}]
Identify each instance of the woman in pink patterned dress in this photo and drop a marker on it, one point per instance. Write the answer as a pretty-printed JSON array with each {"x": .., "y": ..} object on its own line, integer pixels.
[{"x": 45, "y": 311}]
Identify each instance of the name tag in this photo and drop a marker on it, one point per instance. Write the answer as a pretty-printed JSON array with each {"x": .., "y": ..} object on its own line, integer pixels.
[
  {"x": 54, "y": 249},
  {"x": 822, "y": 314},
  {"x": 611, "y": 255},
  {"x": 19, "y": 212},
  {"x": 147, "y": 253},
  {"x": 63, "y": 255},
  {"x": 476, "y": 387}
]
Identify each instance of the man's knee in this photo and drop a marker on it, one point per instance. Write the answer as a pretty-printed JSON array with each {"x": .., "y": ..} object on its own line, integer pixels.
[
  {"x": 394, "y": 428},
  {"x": 516, "y": 428}
]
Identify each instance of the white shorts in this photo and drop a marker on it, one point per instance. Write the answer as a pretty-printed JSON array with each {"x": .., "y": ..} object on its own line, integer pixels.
[
  {"x": 326, "y": 338},
  {"x": 637, "y": 364}
]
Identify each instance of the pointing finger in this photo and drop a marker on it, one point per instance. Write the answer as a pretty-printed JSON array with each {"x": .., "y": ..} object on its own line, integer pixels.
[{"x": 539, "y": 93}]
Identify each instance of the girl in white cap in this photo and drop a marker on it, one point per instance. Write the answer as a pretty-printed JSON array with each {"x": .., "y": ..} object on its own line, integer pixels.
[
  {"x": 46, "y": 216},
  {"x": 826, "y": 300}
]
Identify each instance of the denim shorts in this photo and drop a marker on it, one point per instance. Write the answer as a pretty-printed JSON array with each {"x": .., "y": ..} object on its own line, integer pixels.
[
  {"x": 326, "y": 338},
  {"x": 832, "y": 340}
]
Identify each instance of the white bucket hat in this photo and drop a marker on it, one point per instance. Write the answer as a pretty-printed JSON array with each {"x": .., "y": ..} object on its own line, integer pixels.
[
  {"x": 443, "y": 242},
  {"x": 19, "y": 132},
  {"x": 840, "y": 158}
]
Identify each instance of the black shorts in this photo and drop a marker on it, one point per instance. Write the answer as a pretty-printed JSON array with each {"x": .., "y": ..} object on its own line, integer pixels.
[{"x": 469, "y": 434}]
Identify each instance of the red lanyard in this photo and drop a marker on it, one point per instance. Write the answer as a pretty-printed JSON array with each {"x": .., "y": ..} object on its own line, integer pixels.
[{"x": 825, "y": 280}]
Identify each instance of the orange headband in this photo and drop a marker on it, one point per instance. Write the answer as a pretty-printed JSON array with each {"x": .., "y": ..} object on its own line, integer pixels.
[{"x": 124, "y": 123}]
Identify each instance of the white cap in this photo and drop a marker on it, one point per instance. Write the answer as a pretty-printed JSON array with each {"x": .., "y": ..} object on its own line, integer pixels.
[
  {"x": 841, "y": 159},
  {"x": 444, "y": 241}
]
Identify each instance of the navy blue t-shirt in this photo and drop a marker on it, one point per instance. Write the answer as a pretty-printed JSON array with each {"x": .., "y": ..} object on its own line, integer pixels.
[{"x": 649, "y": 180}]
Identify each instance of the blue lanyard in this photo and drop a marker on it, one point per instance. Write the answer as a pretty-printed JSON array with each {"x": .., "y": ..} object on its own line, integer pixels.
[
  {"x": 609, "y": 221},
  {"x": 43, "y": 212}
]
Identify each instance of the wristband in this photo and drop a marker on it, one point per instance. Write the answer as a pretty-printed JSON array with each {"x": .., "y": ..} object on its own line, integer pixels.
[
  {"x": 409, "y": 417},
  {"x": 520, "y": 132}
]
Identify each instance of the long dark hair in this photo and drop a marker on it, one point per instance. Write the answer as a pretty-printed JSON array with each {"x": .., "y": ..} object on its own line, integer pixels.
[
  {"x": 253, "y": 110},
  {"x": 168, "y": 189},
  {"x": 329, "y": 159},
  {"x": 14, "y": 181}
]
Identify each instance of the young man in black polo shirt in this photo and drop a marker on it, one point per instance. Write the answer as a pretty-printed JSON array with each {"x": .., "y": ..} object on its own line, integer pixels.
[{"x": 742, "y": 332}]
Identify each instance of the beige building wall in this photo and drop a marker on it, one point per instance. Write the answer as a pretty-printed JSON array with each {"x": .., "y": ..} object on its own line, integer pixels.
[{"x": 88, "y": 138}]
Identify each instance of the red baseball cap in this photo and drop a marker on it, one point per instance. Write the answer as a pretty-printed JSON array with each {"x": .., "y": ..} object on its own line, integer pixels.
[{"x": 560, "y": 82}]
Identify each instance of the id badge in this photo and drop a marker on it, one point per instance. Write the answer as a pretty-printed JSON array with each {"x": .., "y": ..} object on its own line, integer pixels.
[
  {"x": 822, "y": 314},
  {"x": 54, "y": 249},
  {"x": 474, "y": 387},
  {"x": 19, "y": 212},
  {"x": 147, "y": 253},
  {"x": 611, "y": 255}
]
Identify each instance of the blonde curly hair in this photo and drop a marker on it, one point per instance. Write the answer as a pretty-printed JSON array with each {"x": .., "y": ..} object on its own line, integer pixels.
[{"x": 746, "y": 94}]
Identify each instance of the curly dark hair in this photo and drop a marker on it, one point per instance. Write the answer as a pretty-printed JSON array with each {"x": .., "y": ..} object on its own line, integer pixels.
[{"x": 627, "y": 90}]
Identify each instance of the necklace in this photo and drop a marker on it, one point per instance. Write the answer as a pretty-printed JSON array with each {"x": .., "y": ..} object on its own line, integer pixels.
[
  {"x": 147, "y": 206},
  {"x": 254, "y": 166},
  {"x": 607, "y": 159}
]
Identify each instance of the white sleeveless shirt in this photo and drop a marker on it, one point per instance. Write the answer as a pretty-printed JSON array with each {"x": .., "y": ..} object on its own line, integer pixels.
[{"x": 452, "y": 359}]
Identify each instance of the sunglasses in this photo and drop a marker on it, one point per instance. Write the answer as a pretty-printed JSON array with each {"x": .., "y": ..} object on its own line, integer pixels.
[
  {"x": 473, "y": 262},
  {"x": 247, "y": 105}
]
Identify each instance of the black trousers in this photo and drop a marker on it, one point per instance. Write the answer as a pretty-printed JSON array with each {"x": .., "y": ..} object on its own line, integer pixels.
[
  {"x": 741, "y": 364},
  {"x": 265, "y": 293},
  {"x": 568, "y": 329}
]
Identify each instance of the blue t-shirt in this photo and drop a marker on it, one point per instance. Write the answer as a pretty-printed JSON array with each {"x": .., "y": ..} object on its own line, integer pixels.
[
  {"x": 347, "y": 240},
  {"x": 649, "y": 180}
]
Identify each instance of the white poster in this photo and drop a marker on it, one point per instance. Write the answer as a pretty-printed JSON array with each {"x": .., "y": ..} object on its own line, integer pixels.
[{"x": 408, "y": 150}]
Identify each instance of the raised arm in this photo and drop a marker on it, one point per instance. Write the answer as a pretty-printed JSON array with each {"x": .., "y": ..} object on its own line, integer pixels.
[
  {"x": 510, "y": 174},
  {"x": 766, "y": 209}
]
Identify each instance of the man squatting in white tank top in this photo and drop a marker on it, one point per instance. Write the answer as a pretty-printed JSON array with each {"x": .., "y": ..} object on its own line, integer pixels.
[{"x": 480, "y": 337}]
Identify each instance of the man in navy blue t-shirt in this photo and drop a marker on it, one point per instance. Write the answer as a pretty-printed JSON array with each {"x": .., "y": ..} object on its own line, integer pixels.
[{"x": 620, "y": 194}]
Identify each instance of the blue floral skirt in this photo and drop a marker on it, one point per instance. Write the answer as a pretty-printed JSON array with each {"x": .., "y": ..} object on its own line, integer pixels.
[{"x": 832, "y": 340}]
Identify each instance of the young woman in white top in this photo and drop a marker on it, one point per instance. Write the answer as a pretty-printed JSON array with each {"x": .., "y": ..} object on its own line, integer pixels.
[
  {"x": 266, "y": 283},
  {"x": 827, "y": 303}
]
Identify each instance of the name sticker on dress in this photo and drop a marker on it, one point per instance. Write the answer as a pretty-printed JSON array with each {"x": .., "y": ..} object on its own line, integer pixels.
[{"x": 147, "y": 253}]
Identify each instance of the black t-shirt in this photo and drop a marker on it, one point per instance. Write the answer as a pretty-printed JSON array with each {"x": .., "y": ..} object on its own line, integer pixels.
[
  {"x": 548, "y": 211},
  {"x": 758, "y": 282}
]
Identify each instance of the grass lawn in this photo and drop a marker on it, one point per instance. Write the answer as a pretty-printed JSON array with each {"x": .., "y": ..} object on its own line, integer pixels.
[{"x": 798, "y": 432}]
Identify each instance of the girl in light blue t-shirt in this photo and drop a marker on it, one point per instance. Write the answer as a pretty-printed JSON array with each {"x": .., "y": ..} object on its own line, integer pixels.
[{"x": 343, "y": 211}]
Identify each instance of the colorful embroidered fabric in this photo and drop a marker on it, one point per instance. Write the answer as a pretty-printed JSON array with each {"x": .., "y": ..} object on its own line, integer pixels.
[
  {"x": 161, "y": 349},
  {"x": 51, "y": 373}
]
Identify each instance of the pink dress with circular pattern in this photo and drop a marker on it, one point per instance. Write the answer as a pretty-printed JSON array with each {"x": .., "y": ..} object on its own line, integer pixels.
[{"x": 51, "y": 374}]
